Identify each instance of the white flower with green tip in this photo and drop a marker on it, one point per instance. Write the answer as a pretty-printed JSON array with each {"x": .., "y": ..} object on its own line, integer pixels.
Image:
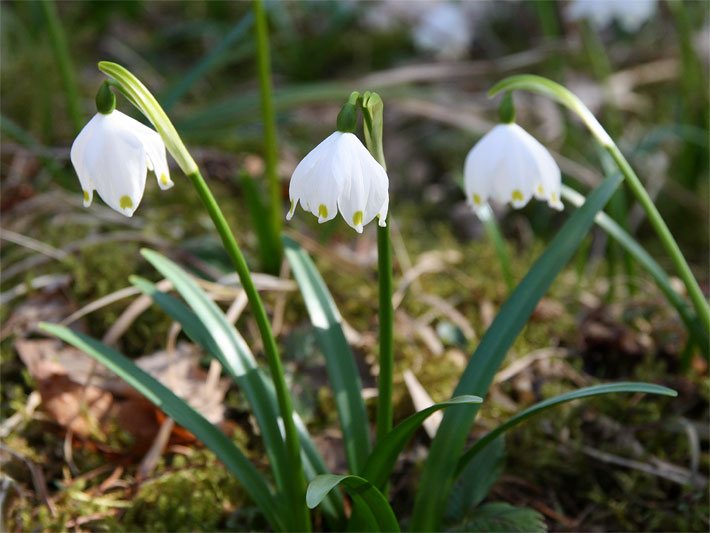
[
  {"x": 508, "y": 165},
  {"x": 340, "y": 175},
  {"x": 112, "y": 155}
]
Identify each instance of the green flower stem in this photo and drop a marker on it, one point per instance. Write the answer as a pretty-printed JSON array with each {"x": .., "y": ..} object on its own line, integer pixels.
[
  {"x": 297, "y": 481},
  {"x": 386, "y": 313},
  {"x": 493, "y": 231},
  {"x": 270, "y": 149},
  {"x": 557, "y": 92},
  {"x": 63, "y": 58},
  {"x": 372, "y": 111}
]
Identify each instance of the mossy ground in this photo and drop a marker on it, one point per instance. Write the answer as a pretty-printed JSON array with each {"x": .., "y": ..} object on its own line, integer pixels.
[{"x": 189, "y": 490}]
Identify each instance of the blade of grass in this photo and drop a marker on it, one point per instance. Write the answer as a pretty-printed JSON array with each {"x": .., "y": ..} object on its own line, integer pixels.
[
  {"x": 363, "y": 492},
  {"x": 586, "y": 392},
  {"x": 182, "y": 413},
  {"x": 439, "y": 470},
  {"x": 380, "y": 462},
  {"x": 274, "y": 221},
  {"x": 63, "y": 58},
  {"x": 340, "y": 362},
  {"x": 207, "y": 63}
]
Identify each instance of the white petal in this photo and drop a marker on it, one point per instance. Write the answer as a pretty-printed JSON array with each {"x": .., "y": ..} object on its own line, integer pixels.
[
  {"x": 116, "y": 161},
  {"x": 483, "y": 166},
  {"x": 366, "y": 187},
  {"x": 78, "y": 155},
  {"x": 320, "y": 178},
  {"x": 156, "y": 158}
]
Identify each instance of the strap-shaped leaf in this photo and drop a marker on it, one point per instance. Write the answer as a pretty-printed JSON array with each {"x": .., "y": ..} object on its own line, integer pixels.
[
  {"x": 382, "y": 459},
  {"x": 375, "y": 514},
  {"x": 182, "y": 413},
  {"x": 234, "y": 354},
  {"x": 448, "y": 445},
  {"x": 313, "y": 463},
  {"x": 340, "y": 363},
  {"x": 586, "y": 392}
]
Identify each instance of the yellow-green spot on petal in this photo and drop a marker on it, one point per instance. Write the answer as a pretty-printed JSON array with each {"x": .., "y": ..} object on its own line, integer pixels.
[
  {"x": 518, "y": 196},
  {"x": 322, "y": 211},
  {"x": 125, "y": 202},
  {"x": 553, "y": 197},
  {"x": 293, "y": 206},
  {"x": 540, "y": 189},
  {"x": 357, "y": 218},
  {"x": 86, "y": 196},
  {"x": 477, "y": 199},
  {"x": 164, "y": 179}
]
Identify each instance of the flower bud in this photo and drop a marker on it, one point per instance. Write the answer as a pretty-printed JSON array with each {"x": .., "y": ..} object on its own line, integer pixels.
[{"x": 105, "y": 99}]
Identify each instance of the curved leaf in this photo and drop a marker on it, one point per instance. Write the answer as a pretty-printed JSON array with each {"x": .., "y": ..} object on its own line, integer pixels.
[
  {"x": 379, "y": 515},
  {"x": 381, "y": 460},
  {"x": 586, "y": 392},
  {"x": 475, "y": 480},
  {"x": 340, "y": 362},
  {"x": 448, "y": 445},
  {"x": 182, "y": 413}
]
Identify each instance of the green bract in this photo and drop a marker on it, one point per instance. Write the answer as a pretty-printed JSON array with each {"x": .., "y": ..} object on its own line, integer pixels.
[{"x": 146, "y": 103}]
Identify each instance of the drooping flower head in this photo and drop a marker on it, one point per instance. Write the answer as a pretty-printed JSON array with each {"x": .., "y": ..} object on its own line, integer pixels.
[
  {"x": 508, "y": 165},
  {"x": 112, "y": 155},
  {"x": 341, "y": 175}
]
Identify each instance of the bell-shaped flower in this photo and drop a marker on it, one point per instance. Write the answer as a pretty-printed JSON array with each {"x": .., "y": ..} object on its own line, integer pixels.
[
  {"x": 509, "y": 166},
  {"x": 340, "y": 175},
  {"x": 112, "y": 155}
]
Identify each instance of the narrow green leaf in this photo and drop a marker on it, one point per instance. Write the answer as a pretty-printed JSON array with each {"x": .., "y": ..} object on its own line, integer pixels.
[
  {"x": 586, "y": 392},
  {"x": 268, "y": 241},
  {"x": 182, "y": 413},
  {"x": 209, "y": 62},
  {"x": 234, "y": 354},
  {"x": 643, "y": 258},
  {"x": 382, "y": 459},
  {"x": 313, "y": 463},
  {"x": 340, "y": 362},
  {"x": 364, "y": 493},
  {"x": 439, "y": 470},
  {"x": 476, "y": 479}
]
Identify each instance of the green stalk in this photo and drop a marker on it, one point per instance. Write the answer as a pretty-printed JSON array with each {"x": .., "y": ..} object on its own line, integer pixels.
[
  {"x": 602, "y": 69},
  {"x": 565, "y": 97},
  {"x": 271, "y": 260},
  {"x": 664, "y": 234},
  {"x": 296, "y": 482},
  {"x": 63, "y": 58},
  {"x": 493, "y": 231},
  {"x": 372, "y": 108},
  {"x": 384, "y": 385}
]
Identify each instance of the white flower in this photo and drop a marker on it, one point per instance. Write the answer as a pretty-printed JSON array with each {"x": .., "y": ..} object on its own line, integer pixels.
[
  {"x": 444, "y": 29},
  {"x": 509, "y": 165},
  {"x": 631, "y": 14},
  {"x": 340, "y": 174},
  {"x": 112, "y": 155}
]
